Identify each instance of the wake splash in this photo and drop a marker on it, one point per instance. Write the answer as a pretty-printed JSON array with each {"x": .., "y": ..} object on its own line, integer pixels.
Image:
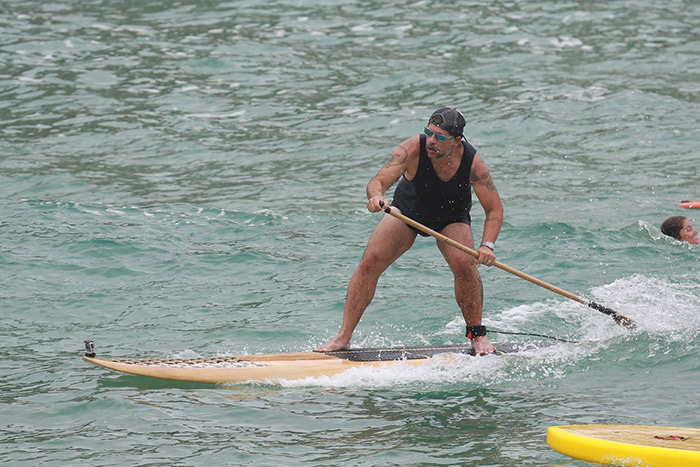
[
  {"x": 657, "y": 305},
  {"x": 453, "y": 370},
  {"x": 666, "y": 313}
]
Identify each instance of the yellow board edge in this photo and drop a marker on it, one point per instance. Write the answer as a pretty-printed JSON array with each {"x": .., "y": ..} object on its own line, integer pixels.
[{"x": 602, "y": 451}]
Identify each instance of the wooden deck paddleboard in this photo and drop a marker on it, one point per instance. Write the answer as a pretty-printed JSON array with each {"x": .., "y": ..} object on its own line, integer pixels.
[
  {"x": 288, "y": 366},
  {"x": 628, "y": 445}
]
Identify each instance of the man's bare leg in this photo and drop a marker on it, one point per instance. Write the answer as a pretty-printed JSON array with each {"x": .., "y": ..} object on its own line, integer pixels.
[
  {"x": 391, "y": 239},
  {"x": 467, "y": 281}
]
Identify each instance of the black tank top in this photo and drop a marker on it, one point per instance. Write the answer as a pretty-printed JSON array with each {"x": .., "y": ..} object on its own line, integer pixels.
[{"x": 432, "y": 202}]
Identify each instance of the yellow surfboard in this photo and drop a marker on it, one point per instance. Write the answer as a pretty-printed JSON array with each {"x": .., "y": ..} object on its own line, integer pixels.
[
  {"x": 288, "y": 366},
  {"x": 628, "y": 445}
]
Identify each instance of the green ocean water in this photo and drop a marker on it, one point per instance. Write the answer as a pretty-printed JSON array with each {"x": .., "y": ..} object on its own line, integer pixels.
[{"x": 187, "y": 179}]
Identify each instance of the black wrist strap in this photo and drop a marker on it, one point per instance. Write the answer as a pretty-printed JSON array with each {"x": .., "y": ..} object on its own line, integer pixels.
[{"x": 475, "y": 331}]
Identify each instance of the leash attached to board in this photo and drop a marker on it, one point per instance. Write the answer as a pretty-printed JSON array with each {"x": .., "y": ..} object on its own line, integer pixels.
[{"x": 619, "y": 319}]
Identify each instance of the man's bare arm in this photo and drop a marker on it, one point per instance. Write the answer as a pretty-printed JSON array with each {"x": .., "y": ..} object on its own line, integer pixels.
[
  {"x": 400, "y": 161},
  {"x": 486, "y": 191}
]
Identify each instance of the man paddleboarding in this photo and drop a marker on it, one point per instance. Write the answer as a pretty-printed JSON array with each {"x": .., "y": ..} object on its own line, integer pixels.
[{"x": 438, "y": 170}]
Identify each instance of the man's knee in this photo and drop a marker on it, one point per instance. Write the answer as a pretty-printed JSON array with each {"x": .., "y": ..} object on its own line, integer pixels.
[
  {"x": 467, "y": 271},
  {"x": 372, "y": 263}
]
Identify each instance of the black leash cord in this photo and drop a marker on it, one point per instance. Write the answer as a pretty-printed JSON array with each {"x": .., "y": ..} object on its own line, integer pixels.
[{"x": 531, "y": 334}]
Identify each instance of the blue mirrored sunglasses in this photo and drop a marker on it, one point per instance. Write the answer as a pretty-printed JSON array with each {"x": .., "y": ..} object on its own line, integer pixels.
[{"x": 438, "y": 136}]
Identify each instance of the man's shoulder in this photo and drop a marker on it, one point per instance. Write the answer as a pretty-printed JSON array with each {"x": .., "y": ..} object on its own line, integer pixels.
[
  {"x": 411, "y": 146},
  {"x": 468, "y": 147}
]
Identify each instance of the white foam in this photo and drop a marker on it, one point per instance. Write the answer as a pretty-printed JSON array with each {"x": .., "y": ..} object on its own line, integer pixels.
[
  {"x": 566, "y": 42},
  {"x": 655, "y": 304},
  {"x": 483, "y": 371},
  {"x": 443, "y": 369}
]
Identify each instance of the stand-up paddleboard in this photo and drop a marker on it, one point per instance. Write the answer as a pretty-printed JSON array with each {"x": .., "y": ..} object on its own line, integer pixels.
[
  {"x": 628, "y": 445},
  {"x": 690, "y": 204},
  {"x": 288, "y": 366}
]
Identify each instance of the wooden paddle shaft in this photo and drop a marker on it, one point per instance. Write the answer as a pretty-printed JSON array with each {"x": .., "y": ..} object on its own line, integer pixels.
[
  {"x": 475, "y": 254},
  {"x": 618, "y": 318}
]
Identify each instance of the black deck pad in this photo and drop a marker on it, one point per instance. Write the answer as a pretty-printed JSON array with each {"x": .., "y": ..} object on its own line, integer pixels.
[{"x": 412, "y": 353}]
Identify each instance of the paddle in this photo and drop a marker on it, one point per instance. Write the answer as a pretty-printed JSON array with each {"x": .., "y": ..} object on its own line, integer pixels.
[{"x": 619, "y": 319}]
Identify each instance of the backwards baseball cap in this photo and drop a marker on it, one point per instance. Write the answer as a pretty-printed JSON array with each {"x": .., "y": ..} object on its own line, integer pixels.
[{"x": 448, "y": 119}]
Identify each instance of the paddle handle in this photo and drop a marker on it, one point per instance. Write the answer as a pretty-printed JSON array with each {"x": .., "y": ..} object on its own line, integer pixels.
[{"x": 619, "y": 319}]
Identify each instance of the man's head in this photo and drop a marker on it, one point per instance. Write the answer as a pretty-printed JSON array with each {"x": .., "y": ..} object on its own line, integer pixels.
[{"x": 448, "y": 119}]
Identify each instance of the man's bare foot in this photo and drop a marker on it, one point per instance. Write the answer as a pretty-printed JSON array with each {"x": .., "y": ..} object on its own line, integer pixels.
[
  {"x": 337, "y": 343},
  {"x": 482, "y": 346}
]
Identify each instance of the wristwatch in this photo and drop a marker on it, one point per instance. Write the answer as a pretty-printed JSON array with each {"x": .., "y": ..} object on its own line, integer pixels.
[{"x": 489, "y": 245}]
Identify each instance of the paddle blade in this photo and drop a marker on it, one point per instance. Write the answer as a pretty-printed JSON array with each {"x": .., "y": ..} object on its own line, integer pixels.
[{"x": 619, "y": 319}]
